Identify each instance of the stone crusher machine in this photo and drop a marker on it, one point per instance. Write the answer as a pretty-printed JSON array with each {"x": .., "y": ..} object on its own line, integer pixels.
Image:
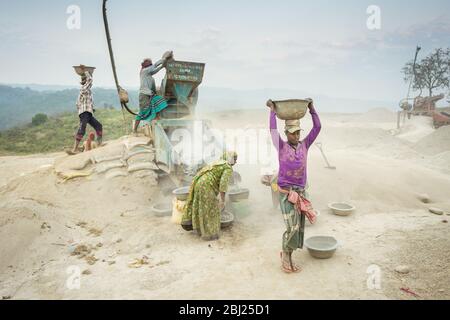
[
  {"x": 426, "y": 106},
  {"x": 178, "y": 138},
  {"x": 182, "y": 143}
]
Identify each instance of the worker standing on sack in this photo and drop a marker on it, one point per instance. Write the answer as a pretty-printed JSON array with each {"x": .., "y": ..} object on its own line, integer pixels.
[
  {"x": 85, "y": 107},
  {"x": 150, "y": 104},
  {"x": 292, "y": 157}
]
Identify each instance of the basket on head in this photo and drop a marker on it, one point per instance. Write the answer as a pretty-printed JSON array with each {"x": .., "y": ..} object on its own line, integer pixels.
[
  {"x": 293, "y": 109},
  {"x": 80, "y": 72}
]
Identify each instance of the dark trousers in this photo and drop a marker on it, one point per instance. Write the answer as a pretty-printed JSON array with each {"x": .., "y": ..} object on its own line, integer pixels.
[{"x": 85, "y": 118}]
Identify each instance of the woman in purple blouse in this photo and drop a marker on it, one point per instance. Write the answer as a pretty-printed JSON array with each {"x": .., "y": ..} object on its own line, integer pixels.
[{"x": 292, "y": 175}]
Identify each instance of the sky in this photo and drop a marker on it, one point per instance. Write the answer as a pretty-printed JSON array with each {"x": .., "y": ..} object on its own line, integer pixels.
[{"x": 320, "y": 47}]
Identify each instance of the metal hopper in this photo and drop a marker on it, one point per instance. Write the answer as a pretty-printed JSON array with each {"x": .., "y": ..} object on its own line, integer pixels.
[{"x": 180, "y": 88}]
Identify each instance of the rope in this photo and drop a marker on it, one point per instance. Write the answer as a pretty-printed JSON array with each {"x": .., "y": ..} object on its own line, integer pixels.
[{"x": 111, "y": 55}]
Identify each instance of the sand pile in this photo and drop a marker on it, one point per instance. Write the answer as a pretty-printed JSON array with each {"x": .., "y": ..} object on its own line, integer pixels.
[
  {"x": 416, "y": 129},
  {"x": 105, "y": 226},
  {"x": 377, "y": 115},
  {"x": 435, "y": 143},
  {"x": 376, "y": 140}
]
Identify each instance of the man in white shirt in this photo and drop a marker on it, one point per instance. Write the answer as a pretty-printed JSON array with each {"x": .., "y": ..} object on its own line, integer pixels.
[{"x": 85, "y": 106}]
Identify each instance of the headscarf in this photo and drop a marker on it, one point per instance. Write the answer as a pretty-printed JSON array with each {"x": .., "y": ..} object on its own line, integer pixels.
[
  {"x": 146, "y": 63},
  {"x": 229, "y": 157}
]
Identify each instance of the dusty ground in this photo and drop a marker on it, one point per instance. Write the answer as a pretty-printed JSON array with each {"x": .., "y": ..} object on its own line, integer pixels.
[{"x": 44, "y": 222}]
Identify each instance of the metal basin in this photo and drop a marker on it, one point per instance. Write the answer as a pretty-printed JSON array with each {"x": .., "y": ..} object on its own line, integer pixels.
[
  {"x": 226, "y": 219},
  {"x": 181, "y": 193},
  {"x": 162, "y": 210},
  {"x": 341, "y": 208},
  {"x": 321, "y": 247},
  {"x": 238, "y": 195},
  {"x": 293, "y": 109},
  {"x": 88, "y": 69}
]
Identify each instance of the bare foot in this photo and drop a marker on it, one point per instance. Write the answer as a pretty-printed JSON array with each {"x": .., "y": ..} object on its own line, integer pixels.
[
  {"x": 295, "y": 268},
  {"x": 72, "y": 152},
  {"x": 285, "y": 263}
]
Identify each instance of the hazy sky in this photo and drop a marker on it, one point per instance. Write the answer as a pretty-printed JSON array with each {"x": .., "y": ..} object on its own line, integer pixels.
[{"x": 315, "y": 46}]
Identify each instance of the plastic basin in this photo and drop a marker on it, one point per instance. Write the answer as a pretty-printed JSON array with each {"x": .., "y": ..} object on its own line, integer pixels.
[
  {"x": 162, "y": 210},
  {"x": 341, "y": 208},
  {"x": 321, "y": 247},
  {"x": 238, "y": 195},
  {"x": 293, "y": 109},
  {"x": 226, "y": 219},
  {"x": 181, "y": 193},
  {"x": 79, "y": 72}
]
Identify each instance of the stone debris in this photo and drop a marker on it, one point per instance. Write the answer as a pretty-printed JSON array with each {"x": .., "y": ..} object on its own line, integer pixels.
[
  {"x": 436, "y": 211},
  {"x": 402, "y": 269},
  {"x": 425, "y": 198}
]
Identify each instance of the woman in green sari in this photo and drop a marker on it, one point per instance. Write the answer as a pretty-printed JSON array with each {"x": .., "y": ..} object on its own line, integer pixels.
[{"x": 203, "y": 210}]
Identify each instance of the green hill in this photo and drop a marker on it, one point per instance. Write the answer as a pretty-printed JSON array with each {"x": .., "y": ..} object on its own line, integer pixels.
[
  {"x": 58, "y": 132},
  {"x": 19, "y": 105}
]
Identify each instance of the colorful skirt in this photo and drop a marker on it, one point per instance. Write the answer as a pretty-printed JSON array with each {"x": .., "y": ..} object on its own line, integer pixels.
[
  {"x": 294, "y": 221},
  {"x": 157, "y": 104}
]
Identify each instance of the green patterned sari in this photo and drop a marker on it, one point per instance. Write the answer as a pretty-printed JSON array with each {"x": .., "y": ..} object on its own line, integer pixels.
[{"x": 202, "y": 211}]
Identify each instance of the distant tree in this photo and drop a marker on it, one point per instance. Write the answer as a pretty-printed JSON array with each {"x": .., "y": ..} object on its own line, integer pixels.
[
  {"x": 39, "y": 118},
  {"x": 431, "y": 73}
]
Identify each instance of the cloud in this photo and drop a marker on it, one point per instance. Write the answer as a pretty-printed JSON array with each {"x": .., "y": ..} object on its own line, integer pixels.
[{"x": 430, "y": 33}]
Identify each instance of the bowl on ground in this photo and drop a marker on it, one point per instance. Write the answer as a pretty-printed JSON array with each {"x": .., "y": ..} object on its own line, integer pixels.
[
  {"x": 341, "y": 208},
  {"x": 226, "y": 219},
  {"x": 181, "y": 193},
  {"x": 237, "y": 195},
  {"x": 321, "y": 247},
  {"x": 162, "y": 210}
]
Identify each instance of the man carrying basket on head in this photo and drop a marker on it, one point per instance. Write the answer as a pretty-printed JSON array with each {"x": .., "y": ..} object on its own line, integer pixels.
[{"x": 85, "y": 107}]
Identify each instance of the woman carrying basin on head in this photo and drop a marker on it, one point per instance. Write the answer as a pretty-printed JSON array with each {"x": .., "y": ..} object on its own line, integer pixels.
[
  {"x": 292, "y": 157},
  {"x": 203, "y": 209}
]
